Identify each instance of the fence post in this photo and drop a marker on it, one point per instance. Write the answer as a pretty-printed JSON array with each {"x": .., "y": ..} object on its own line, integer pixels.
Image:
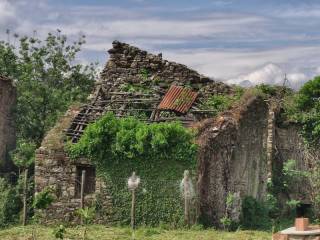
[
  {"x": 133, "y": 183},
  {"x": 83, "y": 177},
  {"x": 186, "y": 189},
  {"x": 133, "y": 206},
  {"x": 25, "y": 186}
]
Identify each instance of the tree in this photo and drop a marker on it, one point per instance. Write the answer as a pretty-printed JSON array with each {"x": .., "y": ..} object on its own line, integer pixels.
[
  {"x": 23, "y": 155},
  {"x": 308, "y": 104},
  {"x": 304, "y": 108},
  {"x": 48, "y": 80},
  {"x": 309, "y": 95}
]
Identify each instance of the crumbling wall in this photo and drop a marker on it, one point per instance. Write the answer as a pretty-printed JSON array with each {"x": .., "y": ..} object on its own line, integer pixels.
[
  {"x": 232, "y": 159},
  {"x": 54, "y": 169},
  {"x": 8, "y": 99},
  {"x": 127, "y": 64},
  {"x": 233, "y": 147},
  {"x": 289, "y": 145}
]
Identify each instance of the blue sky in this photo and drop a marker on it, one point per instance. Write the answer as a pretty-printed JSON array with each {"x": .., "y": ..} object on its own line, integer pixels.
[{"x": 230, "y": 40}]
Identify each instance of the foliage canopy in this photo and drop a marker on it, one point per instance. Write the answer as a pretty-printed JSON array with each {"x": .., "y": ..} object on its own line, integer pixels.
[
  {"x": 304, "y": 108},
  {"x": 47, "y": 77}
]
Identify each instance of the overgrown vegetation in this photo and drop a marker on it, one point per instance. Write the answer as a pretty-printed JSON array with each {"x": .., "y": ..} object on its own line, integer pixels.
[
  {"x": 255, "y": 214},
  {"x": 158, "y": 153},
  {"x": 47, "y": 77},
  {"x": 10, "y": 203},
  {"x": 304, "y": 108},
  {"x": 219, "y": 103},
  {"x": 48, "y": 80}
]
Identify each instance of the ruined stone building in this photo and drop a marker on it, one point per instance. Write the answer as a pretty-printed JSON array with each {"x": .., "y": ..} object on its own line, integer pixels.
[
  {"x": 237, "y": 149},
  {"x": 7, "y": 126}
]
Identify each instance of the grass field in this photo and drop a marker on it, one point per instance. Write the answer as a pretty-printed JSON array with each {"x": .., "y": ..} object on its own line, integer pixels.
[{"x": 98, "y": 232}]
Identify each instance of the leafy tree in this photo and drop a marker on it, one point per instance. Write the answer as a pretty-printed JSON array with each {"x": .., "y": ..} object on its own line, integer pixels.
[
  {"x": 23, "y": 155},
  {"x": 48, "y": 79},
  {"x": 309, "y": 95},
  {"x": 304, "y": 108}
]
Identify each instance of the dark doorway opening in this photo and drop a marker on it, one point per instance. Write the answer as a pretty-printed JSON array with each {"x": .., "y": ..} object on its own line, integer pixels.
[
  {"x": 90, "y": 180},
  {"x": 303, "y": 210}
]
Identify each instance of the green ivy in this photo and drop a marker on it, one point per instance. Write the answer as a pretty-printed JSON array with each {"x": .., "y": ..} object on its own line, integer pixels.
[{"x": 159, "y": 153}]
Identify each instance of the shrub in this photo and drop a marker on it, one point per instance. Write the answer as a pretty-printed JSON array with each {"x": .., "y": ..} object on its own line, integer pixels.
[
  {"x": 59, "y": 232},
  {"x": 10, "y": 204},
  {"x": 218, "y": 103},
  {"x": 254, "y": 214},
  {"x": 43, "y": 199}
]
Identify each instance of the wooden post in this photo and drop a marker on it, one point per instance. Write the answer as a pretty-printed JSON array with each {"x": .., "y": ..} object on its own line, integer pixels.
[
  {"x": 83, "y": 177},
  {"x": 133, "y": 205},
  {"x": 186, "y": 199},
  {"x": 25, "y": 186}
]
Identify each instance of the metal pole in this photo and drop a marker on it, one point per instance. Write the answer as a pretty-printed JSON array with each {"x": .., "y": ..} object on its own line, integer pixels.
[
  {"x": 83, "y": 177},
  {"x": 25, "y": 186}
]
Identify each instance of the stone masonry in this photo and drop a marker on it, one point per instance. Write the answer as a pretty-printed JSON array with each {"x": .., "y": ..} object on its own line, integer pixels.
[
  {"x": 234, "y": 147},
  {"x": 8, "y": 98}
]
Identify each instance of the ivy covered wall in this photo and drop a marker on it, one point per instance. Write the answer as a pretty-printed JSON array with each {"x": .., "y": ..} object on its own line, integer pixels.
[{"x": 159, "y": 153}]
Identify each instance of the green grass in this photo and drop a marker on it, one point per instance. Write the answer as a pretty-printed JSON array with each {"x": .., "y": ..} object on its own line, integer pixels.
[{"x": 99, "y": 232}]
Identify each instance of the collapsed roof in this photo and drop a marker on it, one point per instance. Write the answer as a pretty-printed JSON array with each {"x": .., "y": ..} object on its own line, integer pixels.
[{"x": 135, "y": 82}]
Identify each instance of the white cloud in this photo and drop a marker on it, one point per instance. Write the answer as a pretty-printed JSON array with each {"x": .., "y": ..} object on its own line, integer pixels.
[
  {"x": 157, "y": 28},
  {"x": 7, "y": 12},
  {"x": 270, "y": 74},
  {"x": 146, "y": 28},
  {"x": 301, "y": 12},
  {"x": 232, "y": 63}
]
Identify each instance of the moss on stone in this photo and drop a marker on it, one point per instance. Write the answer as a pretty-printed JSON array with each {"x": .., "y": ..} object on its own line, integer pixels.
[{"x": 55, "y": 139}]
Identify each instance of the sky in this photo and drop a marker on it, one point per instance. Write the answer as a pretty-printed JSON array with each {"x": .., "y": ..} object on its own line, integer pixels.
[{"x": 237, "y": 41}]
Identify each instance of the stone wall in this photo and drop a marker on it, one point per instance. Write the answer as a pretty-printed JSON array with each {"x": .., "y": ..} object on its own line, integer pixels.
[
  {"x": 126, "y": 64},
  {"x": 8, "y": 98},
  {"x": 234, "y": 147},
  {"x": 232, "y": 159},
  {"x": 289, "y": 145},
  {"x": 237, "y": 152},
  {"x": 53, "y": 168}
]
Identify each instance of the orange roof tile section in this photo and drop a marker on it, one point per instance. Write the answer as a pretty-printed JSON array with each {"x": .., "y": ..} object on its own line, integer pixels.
[{"x": 178, "y": 99}]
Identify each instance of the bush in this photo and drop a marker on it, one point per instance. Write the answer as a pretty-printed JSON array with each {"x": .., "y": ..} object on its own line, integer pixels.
[
  {"x": 218, "y": 103},
  {"x": 255, "y": 215},
  {"x": 10, "y": 204},
  {"x": 44, "y": 199}
]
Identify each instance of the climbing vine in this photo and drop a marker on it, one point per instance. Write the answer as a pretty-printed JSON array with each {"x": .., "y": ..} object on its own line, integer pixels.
[{"x": 159, "y": 153}]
